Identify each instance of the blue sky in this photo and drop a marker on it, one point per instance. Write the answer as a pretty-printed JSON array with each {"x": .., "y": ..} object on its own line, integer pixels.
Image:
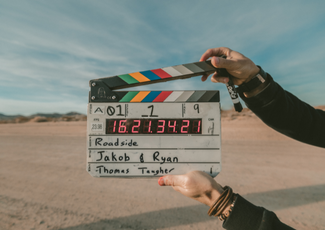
[{"x": 49, "y": 50}]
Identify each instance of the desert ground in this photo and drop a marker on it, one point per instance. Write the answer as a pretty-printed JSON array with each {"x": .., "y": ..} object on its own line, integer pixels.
[{"x": 44, "y": 183}]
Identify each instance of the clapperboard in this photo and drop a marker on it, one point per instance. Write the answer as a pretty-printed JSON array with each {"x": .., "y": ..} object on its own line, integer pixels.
[{"x": 153, "y": 133}]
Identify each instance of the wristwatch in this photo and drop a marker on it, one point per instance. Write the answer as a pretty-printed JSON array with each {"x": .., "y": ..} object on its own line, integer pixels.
[{"x": 258, "y": 79}]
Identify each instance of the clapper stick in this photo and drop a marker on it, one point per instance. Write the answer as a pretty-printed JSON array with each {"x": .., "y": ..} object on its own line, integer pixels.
[{"x": 109, "y": 84}]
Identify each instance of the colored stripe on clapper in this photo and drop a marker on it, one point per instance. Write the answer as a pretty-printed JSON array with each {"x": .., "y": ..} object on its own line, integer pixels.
[
  {"x": 139, "y": 77},
  {"x": 140, "y": 96},
  {"x": 151, "y": 96},
  {"x": 162, "y": 96},
  {"x": 136, "y": 78},
  {"x": 170, "y": 96}
]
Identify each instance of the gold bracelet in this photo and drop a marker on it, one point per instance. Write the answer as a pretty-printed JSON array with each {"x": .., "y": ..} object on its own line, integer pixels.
[
  {"x": 225, "y": 215},
  {"x": 222, "y": 202}
]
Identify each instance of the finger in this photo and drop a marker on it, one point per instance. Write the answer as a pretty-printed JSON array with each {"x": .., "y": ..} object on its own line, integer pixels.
[
  {"x": 211, "y": 52},
  {"x": 216, "y": 78},
  {"x": 219, "y": 79},
  {"x": 204, "y": 77},
  {"x": 224, "y": 63},
  {"x": 215, "y": 52},
  {"x": 170, "y": 180}
]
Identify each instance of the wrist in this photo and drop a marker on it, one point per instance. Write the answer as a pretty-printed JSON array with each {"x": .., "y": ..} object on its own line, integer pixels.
[
  {"x": 257, "y": 90},
  {"x": 223, "y": 205},
  {"x": 254, "y": 85},
  {"x": 254, "y": 72},
  {"x": 214, "y": 195}
]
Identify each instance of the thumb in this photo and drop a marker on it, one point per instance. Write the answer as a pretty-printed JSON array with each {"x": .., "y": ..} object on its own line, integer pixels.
[
  {"x": 169, "y": 180},
  {"x": 220, "y": 62}
]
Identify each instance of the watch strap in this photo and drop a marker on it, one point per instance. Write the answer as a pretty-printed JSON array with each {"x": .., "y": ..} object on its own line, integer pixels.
[{"x": 258, "y": 79}]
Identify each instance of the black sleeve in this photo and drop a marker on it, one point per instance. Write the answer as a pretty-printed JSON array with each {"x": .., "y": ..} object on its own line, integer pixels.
[
  {"x": 288, "y": 115},
  {"x": 246, "y": 216}
]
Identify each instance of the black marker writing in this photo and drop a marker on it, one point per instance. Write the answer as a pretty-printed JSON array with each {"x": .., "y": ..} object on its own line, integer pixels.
[
  {"x": 141, "y": 158},
  {"x": 99, "y": 142},
  {"x": 112, "y": 157},
  {"x": 102, "y": 169},
  {"x": 145, "y": 170},
  {"x": 163, "y": 159}
]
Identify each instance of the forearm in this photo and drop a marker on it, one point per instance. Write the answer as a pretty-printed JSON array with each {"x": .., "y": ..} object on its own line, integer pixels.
[
  {"x": 287, "y": 114},
  {"x": 246, "y": 216}
]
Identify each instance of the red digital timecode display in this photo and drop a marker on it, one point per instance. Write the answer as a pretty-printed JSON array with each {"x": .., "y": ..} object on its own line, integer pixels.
[{"x": 153, "y": 126}]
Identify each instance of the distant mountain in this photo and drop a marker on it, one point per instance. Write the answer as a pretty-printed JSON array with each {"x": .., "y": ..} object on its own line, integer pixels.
[
  {"x": 46, "y": 115},
  {"x": 42, "y": 117},
  {"x": 8, "y": 117},
  {"x": 55, "y": 115}
]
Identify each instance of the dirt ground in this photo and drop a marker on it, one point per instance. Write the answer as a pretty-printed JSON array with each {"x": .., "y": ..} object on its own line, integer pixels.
[{"x": 44, "y": 183}]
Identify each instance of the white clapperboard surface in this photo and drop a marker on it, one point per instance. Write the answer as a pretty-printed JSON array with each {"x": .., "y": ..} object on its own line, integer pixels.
[{"x": 153, "y": 133}]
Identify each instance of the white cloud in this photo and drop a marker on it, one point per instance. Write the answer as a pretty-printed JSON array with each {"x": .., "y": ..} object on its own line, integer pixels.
[{"x": 61, "y": 45}]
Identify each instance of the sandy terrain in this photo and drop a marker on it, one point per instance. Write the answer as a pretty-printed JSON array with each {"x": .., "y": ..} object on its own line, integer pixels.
[{"x": 44, "y": 183}]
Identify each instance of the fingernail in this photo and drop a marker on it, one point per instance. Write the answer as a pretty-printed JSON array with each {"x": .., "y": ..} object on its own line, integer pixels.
[{"x": 161, "y": 181}]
